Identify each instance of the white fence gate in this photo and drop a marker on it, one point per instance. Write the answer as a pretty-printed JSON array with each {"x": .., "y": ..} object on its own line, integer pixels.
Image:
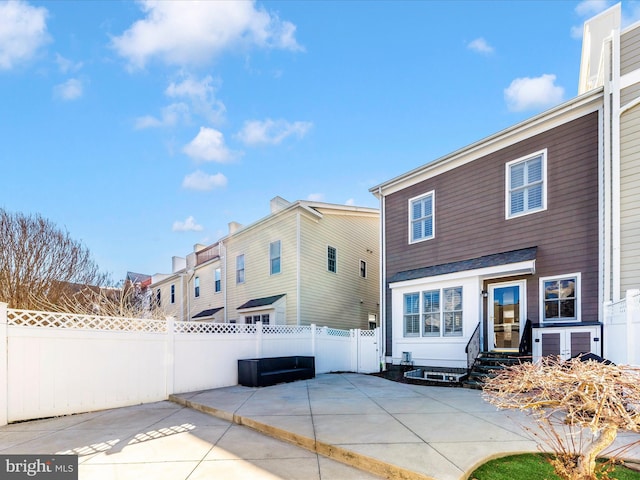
[
  {"x": 622, "y": 330},
  {"x": 57, "y": 364}
]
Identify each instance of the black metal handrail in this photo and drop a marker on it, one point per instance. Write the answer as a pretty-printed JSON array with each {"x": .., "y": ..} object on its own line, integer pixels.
[
  {"x": 526, "y": 339},
  {"x": 473, "y": 347}
]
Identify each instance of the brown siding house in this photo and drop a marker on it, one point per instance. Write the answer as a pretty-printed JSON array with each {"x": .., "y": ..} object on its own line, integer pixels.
[{"x": 493, "y": 235}]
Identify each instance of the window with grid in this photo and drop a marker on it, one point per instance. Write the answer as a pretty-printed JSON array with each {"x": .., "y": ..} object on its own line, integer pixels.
[
  {"x": 560, "y": 298},
  {"x": 173, "y": 294},
  {"x": 452, "y": 311},
  {"x": 217, "y": 280},
  {"x": 431, "y": 313},
  {"x": 332, "y": 256},
  {"x": 240, "y": 269},
  {"x": 274, "y": 257},
  {"x": 421, "y": 218},
  {"x": 526, "y": 185},
  {"x": 411, "y": 315},
  {"x": 196, "y": 286}
]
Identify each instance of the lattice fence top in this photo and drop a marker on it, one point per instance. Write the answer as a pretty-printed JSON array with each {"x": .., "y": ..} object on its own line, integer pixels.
[
  {"x": 30, "y": 318},
  {"x": 285, "y": 329},
  {"x": 367, "y": 333},
  {"x": 333, "y": 332},
  {"x": 211, "y": 327}
]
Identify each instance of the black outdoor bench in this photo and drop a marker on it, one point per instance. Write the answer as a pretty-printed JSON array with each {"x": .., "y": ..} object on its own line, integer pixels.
[{"x": 261, "y": 372}]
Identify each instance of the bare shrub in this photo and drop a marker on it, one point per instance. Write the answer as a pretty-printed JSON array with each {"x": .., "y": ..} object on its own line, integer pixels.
[{"x": 578, "y": 406}]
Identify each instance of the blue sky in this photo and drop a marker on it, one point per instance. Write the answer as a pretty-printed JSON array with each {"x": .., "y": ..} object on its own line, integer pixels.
[{"x": 143, "y": 128}]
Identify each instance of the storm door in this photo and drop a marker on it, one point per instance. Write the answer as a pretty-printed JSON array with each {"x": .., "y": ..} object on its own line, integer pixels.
[{"x": 506, "y": 312}]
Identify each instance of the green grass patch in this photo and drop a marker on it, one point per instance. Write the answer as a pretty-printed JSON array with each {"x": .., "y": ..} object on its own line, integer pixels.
[{"x": 533, "y": 466}]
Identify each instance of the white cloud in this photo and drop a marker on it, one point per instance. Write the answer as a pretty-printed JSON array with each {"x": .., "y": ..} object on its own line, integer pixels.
[
  {"x": 209, "y": 146},
  {"x": 171, "y": 115},
  {"x": 533, "y": 93},
  {"x": 23, "y": 30},
  {"x": 480, "y": 45},
  {"x": 179, "y": 33},
  {"x": 271, "y": 132},
  {"x": 199, "y": 180},
  {"x": 189, "y": 225},
  {"x": 67, "y": 66},
  {"x": 316, "y": 197},
  {"x": 201, "y": 95},
  {"x": 72, "y": 89},
  {"x": 351, "y": 202}
]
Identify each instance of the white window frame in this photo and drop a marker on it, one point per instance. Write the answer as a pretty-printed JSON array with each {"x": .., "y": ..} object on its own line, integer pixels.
[
  {"x": 406, "y": 314},
  {"x": 431, "y": 194},
  {"x": 335, "y": 259},
  {"x": 578, "y": 298},
  {"x": 507, "y": 187},
  {"x": 442, "y": 312},
  {"x": 217, "y": 280},
  {"x": 240, "y": 270},
  {"x": 173, "y": 294},
  {"x": 272, "y": 257},
  {"x": 196, "y": 287}
]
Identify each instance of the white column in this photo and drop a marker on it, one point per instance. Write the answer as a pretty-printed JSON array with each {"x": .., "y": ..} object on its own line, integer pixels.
[{"x": 259, "y": 339}]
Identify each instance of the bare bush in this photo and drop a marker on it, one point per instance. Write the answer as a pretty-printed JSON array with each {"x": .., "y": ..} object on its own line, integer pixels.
[{"x": 579, "y": 407}]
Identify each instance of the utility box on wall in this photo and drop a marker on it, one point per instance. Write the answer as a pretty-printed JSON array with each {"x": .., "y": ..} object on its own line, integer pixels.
[{"x": 566, "y": 341}]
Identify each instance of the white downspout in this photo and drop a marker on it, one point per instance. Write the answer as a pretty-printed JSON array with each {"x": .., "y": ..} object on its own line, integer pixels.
[
  {"x": 383, "y": 271},
  {"x": 607, "y": 197},
  {"x": 298, "y": 255}
]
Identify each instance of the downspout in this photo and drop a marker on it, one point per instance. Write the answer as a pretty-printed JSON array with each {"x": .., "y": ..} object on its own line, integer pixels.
[
  {"x": 298, "y": 282},
  {"x": 382, "y": 273}
]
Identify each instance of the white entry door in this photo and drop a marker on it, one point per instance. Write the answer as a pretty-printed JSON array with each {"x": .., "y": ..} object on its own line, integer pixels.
[{"x": 506, "y": 315}]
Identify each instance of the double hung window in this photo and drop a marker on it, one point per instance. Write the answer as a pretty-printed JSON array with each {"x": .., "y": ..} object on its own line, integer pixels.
[
  {"x": 274, "y": 257},
  {"x": 240, "y": 269},
  {"x": 173, "y": 294},
  {"x": 439, "y": 309},
  {"x": 196, "y": 287},
  {"x": 560, "y": 298},
  {"x": 332, "y": 259},
  {"x": 412, "y": 315},
  {"x": 217, "y": 280},
  {"x": 421, "y": 224},
  {"x": 526, "y": 185}
]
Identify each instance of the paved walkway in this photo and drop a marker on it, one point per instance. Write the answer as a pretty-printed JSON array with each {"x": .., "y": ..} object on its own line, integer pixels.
[{"x": 298, "y": 431}]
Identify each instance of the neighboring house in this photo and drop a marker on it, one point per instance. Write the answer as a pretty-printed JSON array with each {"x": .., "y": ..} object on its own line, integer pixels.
[
  {"x": 305, "y": 263},
  {"x": 521, "y": 226},
  {"x": 193, "y": 291}
]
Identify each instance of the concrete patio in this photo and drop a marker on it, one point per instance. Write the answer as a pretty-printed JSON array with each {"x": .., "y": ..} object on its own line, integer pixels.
[{"x": 333, "y": 427}]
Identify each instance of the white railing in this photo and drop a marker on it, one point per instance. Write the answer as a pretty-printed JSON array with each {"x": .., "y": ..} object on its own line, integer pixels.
[
  {"x": 622, "y": 329},
  {"x": 57, "y": 364}
]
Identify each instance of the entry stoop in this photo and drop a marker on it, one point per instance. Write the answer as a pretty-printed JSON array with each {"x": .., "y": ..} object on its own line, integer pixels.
[{"x": 489, "y": 364}]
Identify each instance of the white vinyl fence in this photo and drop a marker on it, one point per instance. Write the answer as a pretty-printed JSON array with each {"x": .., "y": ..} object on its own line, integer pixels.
[
  {"x": 57, "y": 364},
  {"x": 622, "y": 330}
]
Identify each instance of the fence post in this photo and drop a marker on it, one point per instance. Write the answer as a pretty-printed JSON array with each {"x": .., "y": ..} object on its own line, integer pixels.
[
  {"x": 313, "y": 339},
  {"x": 632, "y": 319},
  {"x": 4, "y": 364},
  {"x": 170, "y": 360},
  {"x": 259, "y": 339},
  {"x": 354, "y": 349}
]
